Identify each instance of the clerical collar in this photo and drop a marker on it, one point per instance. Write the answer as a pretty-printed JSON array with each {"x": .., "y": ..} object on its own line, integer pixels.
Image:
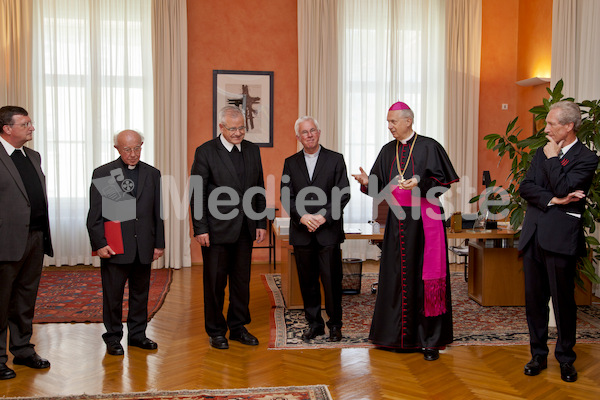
[
  {"x": 129, "y": 166},
  {"x": 568, "y": 147},
  {"x": 10, "y": 148},
  {"x": 229, "y": 146},
  {"x": 408, "y": 139},
  {"x": 314, "y": 155}
]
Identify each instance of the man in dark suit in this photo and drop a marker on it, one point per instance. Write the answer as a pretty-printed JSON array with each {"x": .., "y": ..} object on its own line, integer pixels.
[
  {"x": 25, "y": 238},
  {"x": 228, "y": 166},
  {"x": 552, "y": 238},
  {"x": 129, "y": 191},
  {"x": 314, "y": 191}
]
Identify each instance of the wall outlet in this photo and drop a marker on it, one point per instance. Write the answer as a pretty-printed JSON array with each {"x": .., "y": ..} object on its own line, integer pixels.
[{"x": 504, "y": 106}]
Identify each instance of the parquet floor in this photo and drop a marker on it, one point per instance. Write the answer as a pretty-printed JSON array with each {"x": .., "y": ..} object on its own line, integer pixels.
[{"x": 184, "y": 360}]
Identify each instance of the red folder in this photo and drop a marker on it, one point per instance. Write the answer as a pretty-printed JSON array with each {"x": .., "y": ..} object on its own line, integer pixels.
[{"x": 114, "y": 237}]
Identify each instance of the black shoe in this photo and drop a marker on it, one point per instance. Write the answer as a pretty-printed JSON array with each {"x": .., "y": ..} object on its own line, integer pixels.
[
  {"x": 536, "y": 365},
  {"x": 431, "y": 354},
  {"x": 114, "y": 349},
  {"x": 219, "y": 342},
  {"x": 568, "y": 373},
  {"x": 244, "y": 337},
  {"x": 335, "y": 334},
  {"x": 145, "y": 343},
  {"x": 33, "y": 361},
  {"x": 312, "y": 333},
  {"x": 6, "y": 373}
]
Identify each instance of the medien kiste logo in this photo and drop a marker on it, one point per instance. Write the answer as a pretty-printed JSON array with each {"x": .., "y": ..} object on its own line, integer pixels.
[{"x": 117, "y": 202}]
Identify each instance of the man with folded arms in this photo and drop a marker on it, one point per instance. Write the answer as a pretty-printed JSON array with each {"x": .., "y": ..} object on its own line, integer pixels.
[
  {"x": 552, "y": 239},
  {"x": 25, "y": 238},
  {"x": 129, "y": 190}
]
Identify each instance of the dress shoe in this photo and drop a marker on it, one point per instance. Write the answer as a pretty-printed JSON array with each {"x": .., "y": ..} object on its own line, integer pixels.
[
  {"x": 219, "y": 342},
  {"x": 33, "y": 361},
  {"x": 431, "y": 354},
  {"x": 335, "y": 334},
  {"x": 568, "y": 372},
  {"x": 145, "y": 343},
  {"x": 536, "y": 365},
  {"x": 312, "y": 333},
  {"x": 244, "y": 337},
  {"x": 6, "y": 373},
  {"x": 114, "y": 349}
]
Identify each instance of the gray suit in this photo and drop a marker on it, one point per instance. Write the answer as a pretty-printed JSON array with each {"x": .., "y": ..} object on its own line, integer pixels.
[{"x": 21, "y": 256}]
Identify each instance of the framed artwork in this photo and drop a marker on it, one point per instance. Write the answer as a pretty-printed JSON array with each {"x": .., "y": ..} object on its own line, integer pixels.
[{"x": 252, "y": 93}]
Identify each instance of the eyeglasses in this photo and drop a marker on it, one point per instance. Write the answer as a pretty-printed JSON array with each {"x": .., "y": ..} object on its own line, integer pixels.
[
  {"x": 129, "y": 150},
  {"x": 242, "y": 129},
  {"x": 23, "y": 125},
  {"x": 313, "y": 131}
]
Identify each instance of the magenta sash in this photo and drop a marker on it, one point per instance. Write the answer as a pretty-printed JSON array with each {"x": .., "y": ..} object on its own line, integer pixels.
[{"x": 434, "y": 252}]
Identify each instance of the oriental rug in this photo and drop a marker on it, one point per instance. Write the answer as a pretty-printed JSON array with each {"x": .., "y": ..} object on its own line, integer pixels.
[
  {"x": 473, "y": 324},
  {"x": 75, "y": 295},
  {"x": 316, "y": 392}
]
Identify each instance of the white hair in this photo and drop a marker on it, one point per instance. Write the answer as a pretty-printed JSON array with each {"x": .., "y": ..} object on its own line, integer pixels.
[{"x": 303, "y": 119}]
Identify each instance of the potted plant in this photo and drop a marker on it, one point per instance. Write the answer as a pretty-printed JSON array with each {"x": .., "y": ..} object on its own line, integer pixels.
[{"x": 521, "y": 151}]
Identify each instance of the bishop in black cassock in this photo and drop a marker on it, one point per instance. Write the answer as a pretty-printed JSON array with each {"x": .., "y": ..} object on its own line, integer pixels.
[{"x": 413, "y": 310}]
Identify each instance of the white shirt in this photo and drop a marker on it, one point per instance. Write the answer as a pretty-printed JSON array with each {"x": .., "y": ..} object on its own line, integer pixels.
[
  {"x": 10, "y": 148},
  {"x": 229, "y": 146},
  {"x": 568, "y": 147},
  {"x": 311, "y": 161}
]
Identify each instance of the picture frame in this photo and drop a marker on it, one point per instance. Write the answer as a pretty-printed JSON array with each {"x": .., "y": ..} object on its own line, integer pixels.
[{"x": 252, "y": 92}]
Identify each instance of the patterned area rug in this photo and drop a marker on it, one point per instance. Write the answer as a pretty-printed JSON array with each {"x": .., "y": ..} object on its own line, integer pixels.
[
  {"x": 473, "y": 324},
  {"x": 316, "y": 392},
  {"x": 76, "y": 295}
]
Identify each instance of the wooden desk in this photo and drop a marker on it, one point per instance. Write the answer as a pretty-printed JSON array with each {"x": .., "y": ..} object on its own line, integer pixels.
[
  {"x": 495, "y": 272},
  {"x": 290, "y": 288}
]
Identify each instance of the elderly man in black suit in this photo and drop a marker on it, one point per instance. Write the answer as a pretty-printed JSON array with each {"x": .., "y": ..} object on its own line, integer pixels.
[
  {"x": 226, "y": 225},
  {"x": 25, "y": 237},
  {"x": 552, "y": 238},
  {"x": 314, "y": 192},
  {"x": 128, "y": 191}
]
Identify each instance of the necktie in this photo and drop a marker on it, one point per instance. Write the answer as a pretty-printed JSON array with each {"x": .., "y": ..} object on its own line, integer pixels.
[{"x": 560, "y": 154}]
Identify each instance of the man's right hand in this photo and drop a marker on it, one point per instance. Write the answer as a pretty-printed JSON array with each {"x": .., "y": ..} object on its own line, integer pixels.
[
  {"x": 571, "y": 197},
  {"x": 105, "y": 252},
  {"x": 362, "y": 178},
  {"x": 203, "y": 239}
]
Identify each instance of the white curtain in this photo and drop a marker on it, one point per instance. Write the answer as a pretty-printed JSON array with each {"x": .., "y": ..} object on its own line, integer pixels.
[
  {"x": 92, "y": 77},
  {"x": 576, "y": 54},
  {"x": 390, "y": 50},
  {"x": 169, "y": 38},
  {"x": 387, "y": 50}
]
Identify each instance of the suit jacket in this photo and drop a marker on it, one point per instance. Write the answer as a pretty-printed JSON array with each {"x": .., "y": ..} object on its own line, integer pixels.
[
  {"x": 15, "y": 208},
  {"x": 213, "y": 166},
  {"x": 140, "y": 235},
  {"x": 329, "y": 174},
  {"x": 558, "y": 230}
]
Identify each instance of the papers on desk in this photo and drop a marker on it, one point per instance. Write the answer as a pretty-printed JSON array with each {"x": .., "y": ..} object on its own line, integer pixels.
[{"x": 352, "y": 230}]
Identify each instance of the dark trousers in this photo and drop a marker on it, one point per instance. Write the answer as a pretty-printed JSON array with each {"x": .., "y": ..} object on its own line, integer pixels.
[
  {"x": 325, "y": 262},
  {"x": 223, "y": 262},
  {"x": 114, "y": 277},
  {"x": 19, "y": 283},
  {"x": 550, "y": 274}
]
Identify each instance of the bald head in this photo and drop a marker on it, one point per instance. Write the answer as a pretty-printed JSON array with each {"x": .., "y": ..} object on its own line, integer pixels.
[{"x": 129, "y": 145}]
